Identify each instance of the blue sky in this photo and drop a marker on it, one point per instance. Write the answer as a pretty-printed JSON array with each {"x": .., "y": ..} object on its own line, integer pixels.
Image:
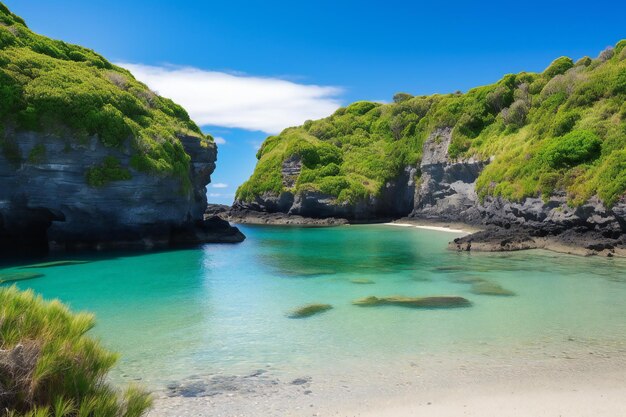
[{"x": 264, "y": 65}]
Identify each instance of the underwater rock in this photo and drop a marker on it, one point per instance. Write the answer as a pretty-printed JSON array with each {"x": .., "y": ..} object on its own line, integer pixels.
[
  {"x": 309, "y": 310},
  {"x": 414, "y": 302},
  {"x": 449, "y": 268},
  {"x": 301, "y": 381},
  {"x": 305, "y": 272},
  {"x": 6, "y": 277},
  {"x": 54, "y": 263},
  {"x": 420, "y": 279},
  {"x": 490, "y": 288},
  {"x": 467, "y": 279},
  {"x": 362, "y": 281}
]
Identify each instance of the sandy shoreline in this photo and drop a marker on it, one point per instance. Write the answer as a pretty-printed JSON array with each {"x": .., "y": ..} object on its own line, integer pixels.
[
  {"x": 568, "y": 386},
  {"x": 425, "y": 227}
]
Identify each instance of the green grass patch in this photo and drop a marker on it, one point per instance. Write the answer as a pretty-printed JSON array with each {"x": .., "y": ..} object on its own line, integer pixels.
[{"x": 49, "y": 367}]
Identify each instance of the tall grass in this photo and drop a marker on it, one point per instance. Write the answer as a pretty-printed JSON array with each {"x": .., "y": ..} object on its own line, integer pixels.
[{"x": 49, "y": 367}]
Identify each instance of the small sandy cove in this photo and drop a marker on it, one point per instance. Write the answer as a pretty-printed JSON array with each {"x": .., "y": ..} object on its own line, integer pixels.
[{"x": 458, "y": 228}]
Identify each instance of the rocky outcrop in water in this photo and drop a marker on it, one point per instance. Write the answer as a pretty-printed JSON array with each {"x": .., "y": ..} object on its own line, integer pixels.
[{"x": 46, "y": 201}]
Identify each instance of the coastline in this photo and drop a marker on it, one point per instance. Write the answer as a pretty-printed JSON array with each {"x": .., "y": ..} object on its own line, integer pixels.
[
  {"x": 572, "y": 386},
  {"x": 475, "y": 237}
]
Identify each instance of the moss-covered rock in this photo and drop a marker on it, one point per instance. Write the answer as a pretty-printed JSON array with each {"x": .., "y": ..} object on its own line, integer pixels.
[
  {"x": 309, "y": 310},
  {"x": 362, "y": 281},
  {"x": 490, "y": 288},
  {"x": 7, "y": 277},
  {"x": 467, "y": 279},
  {"x": 414, "y": 302},
  {"x": 54, "y": 263},
  {"x": 449, "y": 268}
]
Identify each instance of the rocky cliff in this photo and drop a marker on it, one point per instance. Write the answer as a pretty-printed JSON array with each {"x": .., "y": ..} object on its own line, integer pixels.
[
  {"x": 447, "y": 191},
  {"x": 47, "y": 202},
  {"x": 90, "y": 157}
]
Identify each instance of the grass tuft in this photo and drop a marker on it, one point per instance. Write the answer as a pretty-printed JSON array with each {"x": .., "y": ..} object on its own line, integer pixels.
[{"x": 49, "y": 367}]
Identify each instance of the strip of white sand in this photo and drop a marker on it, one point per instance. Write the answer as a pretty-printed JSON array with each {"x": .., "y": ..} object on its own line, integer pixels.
[
  {"x": 398, "y": 224},
  {"x": 437, "y": 228}
]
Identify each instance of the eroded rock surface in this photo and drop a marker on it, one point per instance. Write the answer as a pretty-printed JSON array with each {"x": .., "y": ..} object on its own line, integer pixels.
[{"x": 48, "y": 203}]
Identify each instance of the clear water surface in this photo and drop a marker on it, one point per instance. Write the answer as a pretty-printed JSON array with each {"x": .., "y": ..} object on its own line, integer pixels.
[{"x": 223, "y": 308}]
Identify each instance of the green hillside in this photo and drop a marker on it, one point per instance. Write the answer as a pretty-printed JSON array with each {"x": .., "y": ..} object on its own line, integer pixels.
[
  {"x": 54, "y": 87},
  {"x": 562, "y": 129}
]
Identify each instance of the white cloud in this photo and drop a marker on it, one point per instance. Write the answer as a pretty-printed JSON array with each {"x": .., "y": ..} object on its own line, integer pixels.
[
  {"x": 239, "y": 101},
  {"x": 219, "y": 140},
  {"x": 219, "y": 185}
]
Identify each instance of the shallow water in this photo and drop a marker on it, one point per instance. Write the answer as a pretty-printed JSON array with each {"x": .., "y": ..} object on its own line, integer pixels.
[{"x": 223, "y": 308}]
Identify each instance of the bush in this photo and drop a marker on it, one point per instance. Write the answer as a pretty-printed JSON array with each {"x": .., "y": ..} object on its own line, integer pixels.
[
  {"x": 558, "y": 66},
  {"x": 50, "y": 368},
  {"x": 360, "y": 107},
  {"x": 572, "y": 149},
  {"x": 515, "y": 115},
  {"x": 565, "y": 122},
  {"x": 606, "y": 54},
  {"x": 401, "y": 97}
]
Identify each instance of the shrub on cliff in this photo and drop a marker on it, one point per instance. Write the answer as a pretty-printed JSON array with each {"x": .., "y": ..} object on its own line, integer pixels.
[
  {"x": 572, "y": 149},
  {"x": 50, "y": 368}
]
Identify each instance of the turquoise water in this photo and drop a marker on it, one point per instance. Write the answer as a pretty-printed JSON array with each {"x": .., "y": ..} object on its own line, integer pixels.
[{"x": 223, "y": 308}]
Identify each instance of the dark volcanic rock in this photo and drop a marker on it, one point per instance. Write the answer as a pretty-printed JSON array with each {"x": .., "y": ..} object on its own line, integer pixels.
[
  {"x": 495, "y": 239},
  {"x": 247, "y": 216},
  {"x": 49, "y": 204},
  {"x": 447, "y": 188}
]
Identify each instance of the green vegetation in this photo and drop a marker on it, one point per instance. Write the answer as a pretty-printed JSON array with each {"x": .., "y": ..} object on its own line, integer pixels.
[
  {"x": 49, "y": 85},
  {"x": 50, "y": 368},
  {"x": 560, "y": 130},
  {"x": 109, "y": 170}
]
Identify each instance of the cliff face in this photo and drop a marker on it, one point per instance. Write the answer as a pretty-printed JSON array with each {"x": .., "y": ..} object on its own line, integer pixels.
[
  {"x": 447, "y": 191},
  {"x": 396, "y": 199},
  {"x": 48, "y": 202}
]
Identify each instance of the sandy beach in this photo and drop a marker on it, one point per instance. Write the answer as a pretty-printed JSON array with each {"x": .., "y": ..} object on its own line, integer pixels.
[
  {"x": 429, "y": 227},
  {"x": 572, "y": 384}
]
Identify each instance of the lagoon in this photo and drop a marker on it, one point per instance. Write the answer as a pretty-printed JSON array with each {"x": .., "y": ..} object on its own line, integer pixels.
[{"x": 224, "y": 309}]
